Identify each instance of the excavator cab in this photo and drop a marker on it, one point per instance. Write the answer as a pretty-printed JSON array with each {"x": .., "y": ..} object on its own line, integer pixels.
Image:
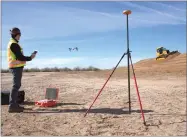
[{"x": 162, "y": 53}]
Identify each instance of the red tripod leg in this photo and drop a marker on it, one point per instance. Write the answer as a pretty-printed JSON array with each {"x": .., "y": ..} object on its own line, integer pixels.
[
  {"x": 137, "y": 91},
  {"x": 104, "y": 84}
]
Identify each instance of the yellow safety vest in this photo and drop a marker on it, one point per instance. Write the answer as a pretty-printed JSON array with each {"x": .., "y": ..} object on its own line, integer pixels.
[{"x": 12, "y": 62}]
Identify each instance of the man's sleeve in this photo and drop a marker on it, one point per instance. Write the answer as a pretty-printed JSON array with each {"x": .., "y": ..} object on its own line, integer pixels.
[{"x": 15, "y": 48}]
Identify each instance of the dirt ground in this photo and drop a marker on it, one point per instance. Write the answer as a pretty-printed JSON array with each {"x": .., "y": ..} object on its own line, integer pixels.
[{"x": 163, "y": 99}]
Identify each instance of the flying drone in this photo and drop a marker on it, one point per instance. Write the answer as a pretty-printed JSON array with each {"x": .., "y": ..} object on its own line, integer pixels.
[{"x": 70, "y": 49}]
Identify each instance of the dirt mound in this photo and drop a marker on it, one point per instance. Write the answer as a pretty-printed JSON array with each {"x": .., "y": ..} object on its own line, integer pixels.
[
  {"x": 175, "y": 65},
  {"x": 152, "y": 62}
]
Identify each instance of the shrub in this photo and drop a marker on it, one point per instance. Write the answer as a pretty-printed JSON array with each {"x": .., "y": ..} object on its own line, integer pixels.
[{"x": 55, "y": 69}]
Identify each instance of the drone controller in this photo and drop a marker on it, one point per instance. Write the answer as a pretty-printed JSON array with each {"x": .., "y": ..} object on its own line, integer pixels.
[{"x": 35, "y": 52}]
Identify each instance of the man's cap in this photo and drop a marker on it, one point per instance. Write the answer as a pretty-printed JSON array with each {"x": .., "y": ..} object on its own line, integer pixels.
[{"x": 15, "y": 31}]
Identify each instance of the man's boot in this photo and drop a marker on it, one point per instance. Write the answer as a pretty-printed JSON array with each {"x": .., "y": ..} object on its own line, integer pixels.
[{"x": 15, "y": 109}]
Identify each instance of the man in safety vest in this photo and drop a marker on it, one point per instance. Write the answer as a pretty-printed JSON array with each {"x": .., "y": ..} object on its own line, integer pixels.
[{"x": 16, "y": 62}]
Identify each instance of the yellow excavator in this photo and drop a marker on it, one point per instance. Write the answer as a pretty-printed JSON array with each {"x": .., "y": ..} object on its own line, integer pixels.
[{"x": 163, "y": 53}]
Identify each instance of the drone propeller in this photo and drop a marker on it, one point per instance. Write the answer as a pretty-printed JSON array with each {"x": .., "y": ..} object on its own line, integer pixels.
[{"x": 76, "y": 48}]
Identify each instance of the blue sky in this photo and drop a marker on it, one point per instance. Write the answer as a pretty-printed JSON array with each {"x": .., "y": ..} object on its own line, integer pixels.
[{"x": 98, "y": 29}]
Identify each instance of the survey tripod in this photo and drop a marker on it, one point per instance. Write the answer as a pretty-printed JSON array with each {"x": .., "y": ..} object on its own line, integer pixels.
[{"x": 129, "y": 60}]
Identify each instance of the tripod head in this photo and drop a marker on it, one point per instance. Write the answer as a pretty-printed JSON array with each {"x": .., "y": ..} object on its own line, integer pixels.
[{"x": 128, "y": 52}]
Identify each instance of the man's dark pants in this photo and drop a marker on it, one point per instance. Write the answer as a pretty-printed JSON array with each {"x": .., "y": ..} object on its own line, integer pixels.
[{"x": 17, "y": 75}]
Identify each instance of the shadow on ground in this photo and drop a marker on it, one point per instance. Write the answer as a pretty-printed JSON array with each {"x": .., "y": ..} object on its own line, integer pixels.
[
  {"x": 99, "y": 110},
  {"x": 116, "y": 111}
]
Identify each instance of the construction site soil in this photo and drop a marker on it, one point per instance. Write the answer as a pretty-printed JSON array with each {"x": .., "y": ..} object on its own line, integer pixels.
[{"x": 162, "y": 87}]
